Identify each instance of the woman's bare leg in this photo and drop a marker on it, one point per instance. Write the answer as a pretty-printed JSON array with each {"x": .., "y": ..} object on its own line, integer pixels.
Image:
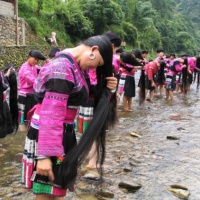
[
  {"x": 130, "y": 104},
  {"x": 171, "y": 94},
  {"x": 93, "y": 157},
  {"x": 125, "y": 103}
]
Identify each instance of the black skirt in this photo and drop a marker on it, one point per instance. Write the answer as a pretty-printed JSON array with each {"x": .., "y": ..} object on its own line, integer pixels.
[
  {"x": 6, "y": 125},
  {"x": 25, "y": 104},
  {"x": 148, "y": 83},
  {"x": 129, "y": 87}
]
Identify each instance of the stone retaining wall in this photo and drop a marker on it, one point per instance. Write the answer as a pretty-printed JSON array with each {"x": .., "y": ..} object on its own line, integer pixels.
[
  {"x": 8, "y": 32},
  {"x": 18, "y": 54}
]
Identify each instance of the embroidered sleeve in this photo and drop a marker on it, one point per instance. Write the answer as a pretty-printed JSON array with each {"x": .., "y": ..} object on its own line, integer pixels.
[
  {"x": 150, "y": 73},
  {"x": 28, "y": 75},
  {"x": 58, "y": 82},
  {"x": 178, "y": 66}
]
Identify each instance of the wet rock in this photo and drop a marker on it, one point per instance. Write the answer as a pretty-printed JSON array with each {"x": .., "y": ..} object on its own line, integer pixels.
[
  {"x": 83, "y": 186},
  {"x": 132, "y": 164},
  {"x": 177, "y": 186},
  {"x": 181, "y": 193},
  {"x": 124, "y": 190},
  {"x": 90, "y": 177},
  {"x": 127, "y": 169},
  {"x": 170, "y": 137},
  {"x": 133, "y": 134},
  {"x": 105, "y": 194},
  {"x": 94, "y": 178},
  {"x": 130, "y": 185},
  {"x": 180, "y": 129},
  {"x": 118, "y": 171}
]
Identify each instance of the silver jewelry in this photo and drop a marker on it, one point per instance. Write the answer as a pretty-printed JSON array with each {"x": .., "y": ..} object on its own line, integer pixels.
[{"x": 92, "y": 56}]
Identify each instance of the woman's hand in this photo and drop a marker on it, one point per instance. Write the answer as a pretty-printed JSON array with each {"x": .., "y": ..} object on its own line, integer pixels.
[
  {"x": 111, "y": 83},
  {"x": 184, "y": 66},
  {"x": 189, "y": 71},
  {"x": 44, "y": 168},
  {"x": 153, "y": 84}
]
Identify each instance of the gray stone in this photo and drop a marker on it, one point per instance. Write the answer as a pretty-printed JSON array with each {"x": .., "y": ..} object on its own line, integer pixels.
[
  {"x": 106, "y": 194},
  {"x": 130, "y": 185}
]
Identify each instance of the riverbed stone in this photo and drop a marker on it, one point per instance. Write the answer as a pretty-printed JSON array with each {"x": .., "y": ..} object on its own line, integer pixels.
[
  {"x": 130, "y": 185},
  {"x": 172, "y": 137},
  {"x": 127, "y": 169},
  {"x": 183, "y": 194},
  {"x": 105, "y": 194}
]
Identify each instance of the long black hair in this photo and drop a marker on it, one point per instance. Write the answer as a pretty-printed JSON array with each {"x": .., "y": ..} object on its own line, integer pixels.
[
  {"x": 161, "y": 75},
  {"x": 128, "y": 57},
  {"x": 1, "y": 100},
  {"x": 12, "y": 79},
  {"x": 3, "y": 129},
  {"x": 104, "y": 116},
  {"x": 185, "y": 75},
  {"x": 197, "y": 72}
]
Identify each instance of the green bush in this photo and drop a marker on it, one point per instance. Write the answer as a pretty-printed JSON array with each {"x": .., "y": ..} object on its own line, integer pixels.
[{"x": 33, "y": 23}]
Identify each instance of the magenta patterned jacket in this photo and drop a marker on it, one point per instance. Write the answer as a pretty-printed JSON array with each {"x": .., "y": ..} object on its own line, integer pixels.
[
  {"x": 27, "y": 75},
  {"x": 174, "y": 67},
  {"x": 60, "y": 88},
  {"x": 116, "y": 63},
  {"x": 192, "y": 64}
]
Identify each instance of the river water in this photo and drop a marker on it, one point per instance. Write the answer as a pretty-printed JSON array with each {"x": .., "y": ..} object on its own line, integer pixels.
[{"x": 165, "y": 153}]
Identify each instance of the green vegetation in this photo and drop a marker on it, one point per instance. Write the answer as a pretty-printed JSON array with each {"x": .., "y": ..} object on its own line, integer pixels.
[{"x": 144, "y": 24}]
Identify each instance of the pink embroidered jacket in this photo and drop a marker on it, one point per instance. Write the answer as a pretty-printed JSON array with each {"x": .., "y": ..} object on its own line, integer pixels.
[
  {"x": 60, "y": 88},
  {"x": 27, "y": 75}
]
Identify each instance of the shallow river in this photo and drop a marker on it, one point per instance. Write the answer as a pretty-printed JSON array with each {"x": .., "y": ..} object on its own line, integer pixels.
[{"x": 165, "y": 153}]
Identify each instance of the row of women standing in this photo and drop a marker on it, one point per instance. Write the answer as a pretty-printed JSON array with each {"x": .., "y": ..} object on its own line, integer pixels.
[
  {"x": 171, "y": 73},
  {"x": 8, "y": 101},
  {"x": 163, "y": 73}
]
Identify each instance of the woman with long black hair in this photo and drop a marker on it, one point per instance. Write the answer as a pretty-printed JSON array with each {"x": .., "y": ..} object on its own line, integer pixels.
[
  {"x": 12, "y": 93},
  {"x": 51, "y": 156},
  {"x": 151, "y": 70},
  {"x": 8, "y": 118},
  {"x": 160, "y": 76},
  {"x": 175, "y": 67},
  {"x": 129, "y": 66},
  {"x": 86, "y": 111}
]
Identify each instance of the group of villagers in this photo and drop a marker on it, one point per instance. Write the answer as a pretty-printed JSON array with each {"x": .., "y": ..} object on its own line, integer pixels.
[
  {"x": 164, "y": 73},
  {"x": 77, "y": 90}
]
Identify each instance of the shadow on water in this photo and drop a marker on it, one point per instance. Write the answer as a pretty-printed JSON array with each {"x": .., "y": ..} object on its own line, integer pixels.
[{"x": 164, "y": 151}]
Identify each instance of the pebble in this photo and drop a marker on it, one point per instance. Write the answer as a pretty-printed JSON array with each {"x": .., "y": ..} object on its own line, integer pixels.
[{"x": 130, "y": 185}]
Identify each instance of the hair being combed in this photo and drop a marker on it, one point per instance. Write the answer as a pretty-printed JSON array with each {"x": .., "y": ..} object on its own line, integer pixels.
[
  {"x": 185, "y": 76},
  {"x": 104, "y": 117},
  {"x": 197, "y": 72},
  {"x": 13, "y": 99},
  {"x": 161, "y": 75}
]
